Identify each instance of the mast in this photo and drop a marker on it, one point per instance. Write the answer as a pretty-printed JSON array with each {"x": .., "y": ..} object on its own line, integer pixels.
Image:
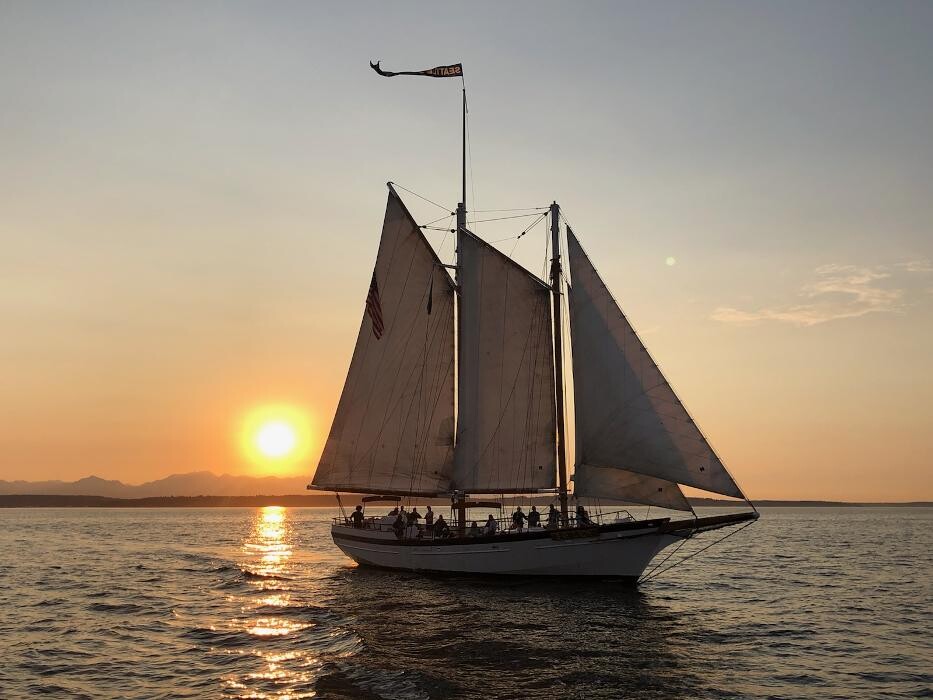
[
  {"x": 458, "y": 500},
  {"x": 461, "y": 207},
  {"x": 558, "y": 361}
]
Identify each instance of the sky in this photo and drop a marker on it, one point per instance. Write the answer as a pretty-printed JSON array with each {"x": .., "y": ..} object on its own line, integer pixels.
[{"x": 191, "y": 196}]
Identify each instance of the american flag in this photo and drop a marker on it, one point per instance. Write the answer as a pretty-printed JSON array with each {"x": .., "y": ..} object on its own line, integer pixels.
[{"x": 374, "y": 308}]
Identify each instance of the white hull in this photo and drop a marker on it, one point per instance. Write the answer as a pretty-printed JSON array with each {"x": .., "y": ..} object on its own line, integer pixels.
[{"x": 617, "y": 554}]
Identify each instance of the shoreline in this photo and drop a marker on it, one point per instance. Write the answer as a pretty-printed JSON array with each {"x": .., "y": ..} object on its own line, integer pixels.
[{"x": 325, "y": 501}]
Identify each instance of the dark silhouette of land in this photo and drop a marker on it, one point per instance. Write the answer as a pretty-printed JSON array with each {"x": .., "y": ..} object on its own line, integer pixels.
[
  {"x": 205, "y": 489},
  {"x": 328, "y": 500}
]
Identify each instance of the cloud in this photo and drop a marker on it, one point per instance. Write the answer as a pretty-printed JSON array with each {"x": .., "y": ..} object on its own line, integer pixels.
[
  {"x": 923, "y": 265},
  {"x": 837, "y": 292}
]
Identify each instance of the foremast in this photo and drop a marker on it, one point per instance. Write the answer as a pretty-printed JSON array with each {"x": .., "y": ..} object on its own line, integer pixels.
[{"x": 558, "y": 360}]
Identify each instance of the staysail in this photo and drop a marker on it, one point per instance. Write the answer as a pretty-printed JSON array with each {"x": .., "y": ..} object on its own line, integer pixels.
[
  {"x": 627, "y": 415},
  {"x": 506, "y": 419},
  {"x": 620, "y": 485},
  {"x": 393, "y": 429}
]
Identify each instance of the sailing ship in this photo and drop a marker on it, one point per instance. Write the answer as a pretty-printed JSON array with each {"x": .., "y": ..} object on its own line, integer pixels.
[{"x": 456, "y": 390}]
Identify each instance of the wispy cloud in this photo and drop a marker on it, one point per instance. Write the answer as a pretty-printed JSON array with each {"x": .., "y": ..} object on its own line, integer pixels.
[
  {"x": 838, "y": 291},
  {"x": 923, "y": 265}
]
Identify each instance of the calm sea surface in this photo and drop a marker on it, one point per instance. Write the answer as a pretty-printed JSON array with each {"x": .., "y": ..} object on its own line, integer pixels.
[{"x": 258, "y": 603}]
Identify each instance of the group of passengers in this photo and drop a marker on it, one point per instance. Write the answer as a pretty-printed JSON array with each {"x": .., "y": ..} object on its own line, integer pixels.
[
  {"x": 553, "y": 518},
  {"x": 405, "y": 523}
]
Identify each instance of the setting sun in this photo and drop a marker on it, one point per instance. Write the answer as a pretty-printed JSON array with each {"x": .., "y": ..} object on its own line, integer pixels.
[{"x": 277, "y": 438}]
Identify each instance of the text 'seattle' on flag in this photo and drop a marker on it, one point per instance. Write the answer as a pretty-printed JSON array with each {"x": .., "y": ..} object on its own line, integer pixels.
[
  {"x": 374, "y": 308},
  {"x": 452, "y": 71}
]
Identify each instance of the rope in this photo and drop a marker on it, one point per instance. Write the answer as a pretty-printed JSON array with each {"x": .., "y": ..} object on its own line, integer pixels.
[
  {"x": 440, "y": 206},
  {"x": 440, "y": 218},
  {"x": 527, "y": 229},
  {"x": 494, "y": 211},
  {"x": 652, "y": 575},
  {"x": 645, "y": 577},
  {"x": 503, "y": 218},
  {"x": 469, "y": 138}
]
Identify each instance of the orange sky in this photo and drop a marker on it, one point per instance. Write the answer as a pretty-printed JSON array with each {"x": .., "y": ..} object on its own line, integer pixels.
[{"x": 190, "y": 206}]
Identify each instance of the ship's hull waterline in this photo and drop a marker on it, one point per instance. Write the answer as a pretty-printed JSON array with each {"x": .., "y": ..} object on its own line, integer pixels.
[{"x": 620, "y": 550}]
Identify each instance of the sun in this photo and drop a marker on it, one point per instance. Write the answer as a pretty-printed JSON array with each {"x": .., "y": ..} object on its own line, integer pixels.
[{"x": 276, "y": 439}]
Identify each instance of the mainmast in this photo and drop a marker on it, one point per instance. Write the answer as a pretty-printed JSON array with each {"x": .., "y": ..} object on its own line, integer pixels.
[
  {"x": 461, "y": 208},
  {"x": 558, "y": 360},
  {"x": 459, "y": 498}
]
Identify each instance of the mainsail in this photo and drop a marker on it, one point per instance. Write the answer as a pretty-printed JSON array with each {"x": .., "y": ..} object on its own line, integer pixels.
[
  {"x": 627, "y": 415},
  {"x": 506, "y": 421},
  {"x": 393, "y": 429}
]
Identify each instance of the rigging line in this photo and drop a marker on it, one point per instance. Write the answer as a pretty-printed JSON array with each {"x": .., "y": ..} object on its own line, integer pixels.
[
  {"x": 690, "y": 556},
  {"x": 564, "y": 217},
  {"x": 527, "y": 229},
  {"x": 440, "y": 218},
  {"x": 645, "y": 577},
  {"x": 447, "y": 232},
  {"x": 503, "y": 218},
  {"x": 440, "y": 206},
  {"x": 470, "y": 155},
  {"x": 493, "y": 211},
  {"x": 437, "y": 228}
]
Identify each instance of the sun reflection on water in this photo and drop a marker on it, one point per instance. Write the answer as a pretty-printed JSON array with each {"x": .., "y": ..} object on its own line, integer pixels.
[
  {"x": 267, "y": 559},
  {"x": 270, "y": 541}
]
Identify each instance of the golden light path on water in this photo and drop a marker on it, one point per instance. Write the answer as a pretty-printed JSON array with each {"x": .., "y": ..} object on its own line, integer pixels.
[{"x": 267, "y": 553}]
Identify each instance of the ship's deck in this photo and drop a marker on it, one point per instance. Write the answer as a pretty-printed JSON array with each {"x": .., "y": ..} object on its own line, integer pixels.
[{"x": 377, "y": 531}]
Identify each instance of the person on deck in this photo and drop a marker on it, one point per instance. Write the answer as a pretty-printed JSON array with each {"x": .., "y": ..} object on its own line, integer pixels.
[
  {"x": 357, "y": 517},
  {"x": 474, "y": 530},
  {"x": 553, "y": 517},
  {"x": 393, "y": 512},
  {"x": 429, "y": 521},
  {"x": 491, "y": 526},
  {"x": 414, "y": 516},
  {"x": 440, "y": 527},
  {"x": 534, "y": 517},
  {"x": 398, "y": 526},
  {"x": 518, "y": 519},
  {"x": 583, "y": 518}
]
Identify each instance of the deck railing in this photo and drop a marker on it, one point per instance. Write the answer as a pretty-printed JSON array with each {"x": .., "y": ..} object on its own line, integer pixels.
[{"x": 504, "y": 525}]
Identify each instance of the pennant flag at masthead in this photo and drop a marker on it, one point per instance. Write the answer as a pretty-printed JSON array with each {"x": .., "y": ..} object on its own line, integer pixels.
[{"x": 452, "y": 71}]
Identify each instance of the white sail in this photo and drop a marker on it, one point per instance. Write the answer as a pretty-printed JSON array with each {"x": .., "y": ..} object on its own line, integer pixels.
[
  {"x": 506, "y": 422},
  {"x": 621, "y": 485},
  {"x": 393, "y": 429},
  {"x": 627, "y": 415}
]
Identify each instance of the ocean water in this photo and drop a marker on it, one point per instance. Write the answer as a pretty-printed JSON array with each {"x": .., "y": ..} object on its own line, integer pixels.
[{"x": 258, "y": 603}]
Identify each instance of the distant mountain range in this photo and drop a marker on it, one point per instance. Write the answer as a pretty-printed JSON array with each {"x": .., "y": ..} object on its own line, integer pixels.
[
  {"x": 192, "y": 484},
  {"x": 219, "y": 489}
]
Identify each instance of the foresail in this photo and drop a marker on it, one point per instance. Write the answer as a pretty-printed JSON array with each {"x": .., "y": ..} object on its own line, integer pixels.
[
  {"x": 622, "y": 485},
  {"x": 506, "y": 422},
  {"x": 393, "y": 429},
  {"x": 627, "y": 415}
]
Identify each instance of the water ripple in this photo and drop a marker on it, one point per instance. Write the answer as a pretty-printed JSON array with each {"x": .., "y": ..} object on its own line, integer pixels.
[{"x": 247, "y": 603}]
